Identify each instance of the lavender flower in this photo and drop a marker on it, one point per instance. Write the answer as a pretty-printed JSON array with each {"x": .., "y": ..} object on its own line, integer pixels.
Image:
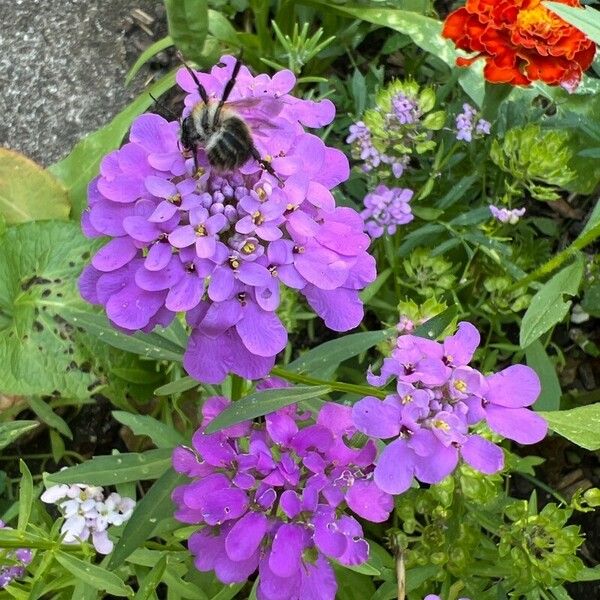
[
  {"x": 271, "y": 496},
  {"x": 218, "y": 245},
  {"x": 385, "y": 209},
  {"x": 437, "y": 398},
  {"x": 13, "y": 563},
  {"x": 466, "y": 125},
  {"x": 505, "y": 215},
  {"x": 88, "y": 513}
]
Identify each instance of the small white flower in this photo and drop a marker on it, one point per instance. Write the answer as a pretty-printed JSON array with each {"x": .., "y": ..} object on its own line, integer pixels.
[{"x": 53, "y": 494}]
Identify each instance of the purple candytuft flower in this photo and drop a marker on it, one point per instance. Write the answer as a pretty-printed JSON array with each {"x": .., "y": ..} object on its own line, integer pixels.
[
  {"x": 13, "y": 563},
  {"x": 505, "y": 215},
  {"x": 218, "y": 245},
  {"x": 438, "y": 396},
  {"x": 272, "y": 496},
  {"x": 466, "y": 125},
  {"x": 385, "y": 209}
]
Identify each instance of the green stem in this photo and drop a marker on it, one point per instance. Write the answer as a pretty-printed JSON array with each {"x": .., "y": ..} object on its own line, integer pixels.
[
  {"x": 336, "y": 386},
  {"x": 581, "y": 242}
]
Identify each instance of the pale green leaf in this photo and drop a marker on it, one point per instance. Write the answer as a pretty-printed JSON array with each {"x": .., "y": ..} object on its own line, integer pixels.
[
  {"x": 163, "y": 435},
  {"x": 538, "y": 360},
  {"x": 188, "y": 25},
  {"x": 10, "y": 431},
  {"x": 579, "y": 425},
  {"x": 585, "y": 19}
]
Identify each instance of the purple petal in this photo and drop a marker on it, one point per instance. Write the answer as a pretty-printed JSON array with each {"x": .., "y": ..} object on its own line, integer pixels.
[
  {"x": 318, "y": 581},
  {"x": 185, "y": 294},
  {"x": 357, "y": 549},
  {"x": 395, "y": 467},
  {"x": 140, "y": 229},
  {"x": 261, "y": 332},
  {"x": 245, "y": 536},
  {"x": 369, "y": 502},
  {"x": 224, "y": 505},
  {"x": 206, "y": 547},
  {"x": 133, "y": 308},
  {"x": 437, "y": 466},
  {"x": 286, "y": 552},
  {"x": 515, "y": 386},
  {"x": 376, "y": 418},
  {"x": 340, "y": 309},
  {"x": 222, "y": 284},
  {"x": 460, "y": 347},
  {"x": 273, "y": 587},
  {"x": 327, "y": 537},
  {"x": 519, "y": 424},
  {"x": 114, "y": 255},
  {"x": 482, "y": 455},
  {"x": 290, "y": 503},
  {"x": 158, "y": 257},
  {"x": 182, "y": 237},
  {"x": 163, "y": 212}
]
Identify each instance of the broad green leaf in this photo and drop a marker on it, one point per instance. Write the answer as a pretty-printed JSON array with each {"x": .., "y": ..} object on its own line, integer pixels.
[
  {"x": 330, "y": 354},
  {"x": 263, "y": 402},
  {"x": 147, "y": 54},
  {"x": 10, "y": 431},
  {"x": 116, "y": 468},
  {"x": 228, "y": 592},
  {"x": 589, "y": 574},
  {"x": 425, "y": 32},
  {"x": 547, "y": 307},
  {"x": 177, "y": 387},
  {"x": 188, "y": 25},
  {"x": 25, "y": 496},
  {"x": 585, "y": 19},
  {"x": 44, "y": 411},
  {"x": 353, "y": 584},
  {"x": 76, "y": 170},
  {"x": 150, "y": 582},
  {"x": 28, "y": 192},
  {"x": 434, "y": 327},
  {"x": 148, "y": 345},
  {"x": 580, "y": 425},
  {"x": 39, "y": 266},
  {"x": 152, "y": 508},
  {"x": 95, "y": 576},
  {"x": 538, "y": 360},
  {"x": 163, "y": 435}
]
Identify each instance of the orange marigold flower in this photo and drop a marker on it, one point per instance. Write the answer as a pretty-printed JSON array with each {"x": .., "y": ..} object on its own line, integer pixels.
[{"x": 521, "y": 41}]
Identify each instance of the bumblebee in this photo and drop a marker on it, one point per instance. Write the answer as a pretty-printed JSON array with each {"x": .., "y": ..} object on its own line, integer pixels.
[{"x": 223, "y": 134}]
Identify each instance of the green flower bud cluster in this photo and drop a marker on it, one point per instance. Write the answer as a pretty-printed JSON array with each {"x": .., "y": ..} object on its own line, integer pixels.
[{"x": 428, "y": 275}]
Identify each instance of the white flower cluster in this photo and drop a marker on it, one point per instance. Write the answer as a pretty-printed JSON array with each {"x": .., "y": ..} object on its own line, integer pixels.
[{"x": 88, "y": 513}]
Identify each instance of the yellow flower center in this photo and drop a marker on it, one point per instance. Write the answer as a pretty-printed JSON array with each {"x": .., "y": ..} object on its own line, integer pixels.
[
  {"x": 460, "y": 385},
  {"x": 201, "y": 231},
  {"x": 407, "y": 399},
  {"x": 439, "y": 424},
  {"x": 537, "y": 20},
  {"x": 258, "y": 218},
  {"x": 234, "y": 263},
  {"x": 248, "y": 248},
  {"x": 176, "y": 199},
  {"x": 262, "y": 195}
]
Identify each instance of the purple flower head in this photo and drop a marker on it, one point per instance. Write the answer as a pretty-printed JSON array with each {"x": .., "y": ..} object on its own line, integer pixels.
[
  {"x": 505, "y": 215},
  {"x": 13, "y": 563},
  {"x": 466, "y": 126},
  {"x": 385, "y": 209},
  {"x": 273, "y": 496},
  {"x": 217, "y": 245},
  {"x": 438, "y": 396}
]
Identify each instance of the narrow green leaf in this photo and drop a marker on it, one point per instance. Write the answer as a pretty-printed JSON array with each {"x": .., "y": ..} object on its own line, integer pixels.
[
  {"x": 434, "y": 327},
  {"x": 547, "y": 307},
  {"x": 332, "y": 353},
  {"x": 150, "y": 345},
  {"x": 46, "y": 414},
  {"x": 585, "y": 19},
  {"x": 372, "y": 289},
  {"x": 95, "y": 576},
  {"x": 163, "y": 435},
  {"x": 580, "y": 425},
  {"x": 151, "y": 581},
  {"x": 25, "y": 496},
  {"x": 28, "y": 192},
  {"x": 589, "y": 574},
  {"x": 188, "y": 25},
  {"x": 177, "y": 387},
  {"x": 262, "y": 403},
  {"x": 538, "y": 360},
  {"x": 152, "y": 508},
  {"x": 10, "y": 431},
  {"x": 147, "y": 54},
  {"x": 228, "y": 592},
  {"x": 116, "y": 468}
]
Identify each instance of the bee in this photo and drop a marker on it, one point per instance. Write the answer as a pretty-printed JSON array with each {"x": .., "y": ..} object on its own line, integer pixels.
[{"x": 219, "y": 130}]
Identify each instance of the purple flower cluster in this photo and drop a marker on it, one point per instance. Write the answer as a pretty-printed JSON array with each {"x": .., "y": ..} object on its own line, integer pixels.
[
  {"x": 505, "y": 215},
  {"x": 385, "y": 209},
  {"x": 217, "y": 245},
  {"x": 271, "y": 496},
  {"x": 437, "y": 397},
  {"x": 466, "y": 126},
  {"x": 405, "y": 110},
  {"x": 13, "y": 563}
]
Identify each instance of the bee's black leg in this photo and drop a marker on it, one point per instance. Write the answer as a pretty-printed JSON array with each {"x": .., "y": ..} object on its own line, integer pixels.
[
  {"x": 200, "y": 87},
  {"x": 266, "y": 165},
  {"x": 228, "y": 88}
]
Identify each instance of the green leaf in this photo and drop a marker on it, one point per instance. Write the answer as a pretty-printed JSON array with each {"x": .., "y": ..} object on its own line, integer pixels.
[
  {"x": 149, "y": 584},
  {"x": 77, "y": 169},
  {"x": 10, "y": 431},
  {"x": 263, "y": 402},
  {"x": 330, "y": 354},
  {"x": 39, "y": 266},
  {"x": 188, "y": 25},
  {"x": 46, "y": 414},
  {"x": 148, "y": 345},
  {"x": 152, "y": 508},
  {"x": 93, "y": 575},
  {"x": 589, "y": 574},
  {"x": 116, "y": 468},
  {"x": 28, "y": 192},
  {"x": 580, "y": 425},
  {"x": 228, "y": 592},
  {"x": 434, "y": 327},
  {"x": 547, "y": 307},
  {"x": 177, "y": 387},
  {"x": 147, "y": 54},
  {"x": 352, "y": 585},
  {"x": 25, "y": 496},
  {"x": 585, "y": 19},
  {"x": 163, "y": 435},
  {"x": 538, "y": 360}
]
